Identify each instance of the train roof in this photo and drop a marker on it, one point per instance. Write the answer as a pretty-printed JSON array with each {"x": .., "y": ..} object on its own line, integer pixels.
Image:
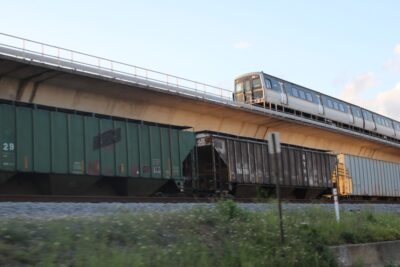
[{"x": 261, "y": 72}]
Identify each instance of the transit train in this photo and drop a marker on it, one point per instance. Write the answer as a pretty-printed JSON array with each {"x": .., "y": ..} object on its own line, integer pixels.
[
  {"x": 270, "y": 92},
  {"x": 51, "y": 151}
]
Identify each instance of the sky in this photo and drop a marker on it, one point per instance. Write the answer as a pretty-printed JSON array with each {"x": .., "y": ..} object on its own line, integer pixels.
[{"x": 347, "y": 49}]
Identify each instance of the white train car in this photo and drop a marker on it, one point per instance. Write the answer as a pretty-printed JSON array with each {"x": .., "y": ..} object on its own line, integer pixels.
[{"x": 262, "y": 89}]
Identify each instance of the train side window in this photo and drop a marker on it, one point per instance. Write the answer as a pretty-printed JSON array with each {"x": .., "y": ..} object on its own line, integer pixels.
[
  {"x": 356, "y": 112},
  {"x": 256, "y": 83},
  {"x": 309, "y": 97},
  {"x": 335, "y": 105},
  {"x": 239, "y": 87},
  {"x": 295, "y": 92},
  {"x": 377, "y": 119},
  {"x": 341, "y": 107},
  {"x": 276, "y": 86},
  {"x": 268, "y": 83},
  {"x": 247, "y": 86},
  {"x": 330, "y": 104},
  {"x": 319, "y": 100},
  {"x": 302, "y": 95},
  {"x": 367, "y": 115}
]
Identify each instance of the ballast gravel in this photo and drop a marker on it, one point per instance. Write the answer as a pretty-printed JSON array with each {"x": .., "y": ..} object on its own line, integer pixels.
[{"x": 37, "y": 210}]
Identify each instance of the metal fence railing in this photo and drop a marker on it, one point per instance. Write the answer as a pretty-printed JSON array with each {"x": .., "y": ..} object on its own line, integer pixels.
[{"x": 48, "y": 54}]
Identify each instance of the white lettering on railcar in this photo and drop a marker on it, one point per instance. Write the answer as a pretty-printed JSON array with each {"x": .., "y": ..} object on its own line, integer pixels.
[{"x": 8, "y": 146}]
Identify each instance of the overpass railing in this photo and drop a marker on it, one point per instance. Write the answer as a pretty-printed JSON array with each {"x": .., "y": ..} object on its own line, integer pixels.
[{"x": 48, "y": 54}]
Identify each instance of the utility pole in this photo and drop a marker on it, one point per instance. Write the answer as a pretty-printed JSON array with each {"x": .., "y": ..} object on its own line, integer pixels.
[{"x": 274, "y": 149}]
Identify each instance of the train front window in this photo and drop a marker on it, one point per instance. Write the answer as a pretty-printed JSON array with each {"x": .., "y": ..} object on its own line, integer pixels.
[
  {"x": 247, "y": 87},
  {"x": 256, "y": 83},
  {"x": 239, "y": 87}
]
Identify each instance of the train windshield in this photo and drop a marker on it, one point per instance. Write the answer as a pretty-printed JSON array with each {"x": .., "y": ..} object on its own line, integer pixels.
[
  {"x": 246, "y": 84},
  {"x": 256, "y": 83},
  {"x": 239, "y": 87}
]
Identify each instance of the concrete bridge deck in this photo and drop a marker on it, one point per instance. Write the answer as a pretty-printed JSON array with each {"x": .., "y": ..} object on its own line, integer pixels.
[{"x": 64, "y": 79}]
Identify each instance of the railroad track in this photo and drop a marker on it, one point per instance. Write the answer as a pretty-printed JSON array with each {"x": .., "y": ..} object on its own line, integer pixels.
[
  {"x": 172, "y": 199},
  {"x": 101, "y": 199}
]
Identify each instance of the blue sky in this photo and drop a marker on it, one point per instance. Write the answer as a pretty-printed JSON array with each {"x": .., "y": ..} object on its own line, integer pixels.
[{"x": 342, "y": 48}]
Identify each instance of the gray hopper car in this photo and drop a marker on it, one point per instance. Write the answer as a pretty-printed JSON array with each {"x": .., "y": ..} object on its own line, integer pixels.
[
  {"x": 361, "y": 177},
  {"x": 242, "y": 166}
]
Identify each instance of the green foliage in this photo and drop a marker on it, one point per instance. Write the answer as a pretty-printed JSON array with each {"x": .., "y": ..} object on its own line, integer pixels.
[
  {"x": 224, "y": 236},
  {"x": 229, "y": 210}
]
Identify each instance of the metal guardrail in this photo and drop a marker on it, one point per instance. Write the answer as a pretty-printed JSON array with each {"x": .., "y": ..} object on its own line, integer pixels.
[{"x": 66, "y": 58}]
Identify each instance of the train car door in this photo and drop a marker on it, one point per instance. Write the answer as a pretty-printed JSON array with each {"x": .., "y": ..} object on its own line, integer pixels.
[
  {"x": 320, "y": 106},
  {"x": 248, "y": 92},
  {"x": 391, "y": 124},
  {"x": 239, "y": 92},
  {"x": 351, "y": 116},
  {"x": 284, "y": 98}
]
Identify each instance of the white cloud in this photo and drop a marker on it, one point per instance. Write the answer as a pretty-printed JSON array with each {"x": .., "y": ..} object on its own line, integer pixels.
[
  {"x": 397, "y": 49},
  {"x": 393, "y": 64},
  {"x": 353, "y": 90},
  {"x": 388, "y": 102},
  {"x": 242, "y": 45}
]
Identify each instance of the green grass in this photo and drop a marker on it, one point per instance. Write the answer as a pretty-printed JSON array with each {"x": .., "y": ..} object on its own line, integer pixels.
[{"x": 225, "y": 236}]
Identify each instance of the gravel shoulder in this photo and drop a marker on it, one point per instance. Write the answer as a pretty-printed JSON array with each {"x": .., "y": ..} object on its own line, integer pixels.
[{"x": 37, "y": 210}]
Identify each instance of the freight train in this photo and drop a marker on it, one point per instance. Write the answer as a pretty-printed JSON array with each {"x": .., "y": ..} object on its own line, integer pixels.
[
  {"x": 270, "y": 92},
  {"x": 53, "y": 151}
]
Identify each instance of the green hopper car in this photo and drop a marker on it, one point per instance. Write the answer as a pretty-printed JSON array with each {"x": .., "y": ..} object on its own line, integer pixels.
[{"x": 53, "y": 151}]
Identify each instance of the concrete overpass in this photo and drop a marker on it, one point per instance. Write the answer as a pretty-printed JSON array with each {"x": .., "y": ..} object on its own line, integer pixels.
[{"x": 38, "y": 73}]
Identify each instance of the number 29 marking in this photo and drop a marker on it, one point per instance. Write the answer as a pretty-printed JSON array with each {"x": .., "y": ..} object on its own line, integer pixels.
[{"x": 8, "y": 147}]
